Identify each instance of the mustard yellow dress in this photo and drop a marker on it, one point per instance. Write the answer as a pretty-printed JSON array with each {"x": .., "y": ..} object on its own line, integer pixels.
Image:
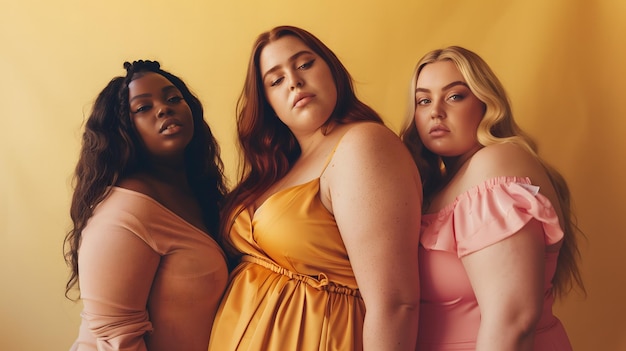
[{"x": 294, "y": 289}]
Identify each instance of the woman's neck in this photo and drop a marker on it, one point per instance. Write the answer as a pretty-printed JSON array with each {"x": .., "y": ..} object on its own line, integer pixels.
[
  {"x": 173, "y": 174},
  {"x": 454, "y": 164},
  {"x": 310, "y": 142}
]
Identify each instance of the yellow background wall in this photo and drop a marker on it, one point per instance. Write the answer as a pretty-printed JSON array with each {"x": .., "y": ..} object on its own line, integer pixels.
[{"x": 563, "y": 62}]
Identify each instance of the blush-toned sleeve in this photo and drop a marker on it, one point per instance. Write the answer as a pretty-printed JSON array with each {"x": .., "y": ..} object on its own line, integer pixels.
[
  {"x": 117, "y": 266},
  {"x": 487, "y": 214}
]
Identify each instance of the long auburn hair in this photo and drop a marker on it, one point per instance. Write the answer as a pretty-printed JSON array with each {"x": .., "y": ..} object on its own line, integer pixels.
[
  {"x": 111, "y": 150},
  {"x": 268, "y": 147},
  {"x": 497, "y": 126}
]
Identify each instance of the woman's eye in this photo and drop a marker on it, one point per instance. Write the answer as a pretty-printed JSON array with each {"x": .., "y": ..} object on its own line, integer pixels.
[
  {"x": 455, "y": 97},
  {"x": 142, "y": 108},
  {"x": 276, "y": 82},
  {"x": 306, "y": 65},
  {"x": 175, "y": 99},
  {"x": 423, "y": 101}
]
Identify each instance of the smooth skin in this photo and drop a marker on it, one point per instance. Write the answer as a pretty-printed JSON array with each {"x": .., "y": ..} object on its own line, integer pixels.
[
  {"x": 164, "y": 123},
  {"x": 161, "y": 116},
  {"x": 371, "y": 186},
  {"x": 507, "y": 277}
]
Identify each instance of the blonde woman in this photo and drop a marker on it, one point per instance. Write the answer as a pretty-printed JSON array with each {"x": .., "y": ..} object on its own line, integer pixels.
[{"x": 498, "y": 242}]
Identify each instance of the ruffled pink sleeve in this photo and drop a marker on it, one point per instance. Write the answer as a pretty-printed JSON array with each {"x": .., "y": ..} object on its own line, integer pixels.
[{"x": 488, "y": 213}]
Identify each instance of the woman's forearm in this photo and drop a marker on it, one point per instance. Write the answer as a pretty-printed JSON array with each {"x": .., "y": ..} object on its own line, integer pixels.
[{"x": 391, "y": 329}]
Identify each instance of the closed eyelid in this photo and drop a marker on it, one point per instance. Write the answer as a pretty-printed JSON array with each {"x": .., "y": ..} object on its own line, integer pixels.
[
  {"x": 274, "y": 81},
  {"x": 308, "y": 63},
  {"x": 291, "y": 59}
]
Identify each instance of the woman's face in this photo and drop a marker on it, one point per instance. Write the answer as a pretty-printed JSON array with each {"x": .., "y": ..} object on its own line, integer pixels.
[
  {"x": 160, "y": 115},
  {"x": 298, "y": 84},
  {"x": 447, "y": 113}
]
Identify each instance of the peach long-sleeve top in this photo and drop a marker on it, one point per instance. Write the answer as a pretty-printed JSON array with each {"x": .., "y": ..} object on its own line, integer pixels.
[{"x": 149, "y": 280}]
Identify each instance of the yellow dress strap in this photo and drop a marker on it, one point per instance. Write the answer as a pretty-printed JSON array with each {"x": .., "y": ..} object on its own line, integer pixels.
[{"x": 330, "y": 156}]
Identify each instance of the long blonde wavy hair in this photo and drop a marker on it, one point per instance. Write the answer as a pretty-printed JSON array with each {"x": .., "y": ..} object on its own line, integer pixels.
[{"x": 497, "y": 126}]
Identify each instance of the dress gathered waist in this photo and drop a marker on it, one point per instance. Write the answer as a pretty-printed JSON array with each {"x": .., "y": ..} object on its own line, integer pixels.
[{"x": 321, "y": 282}]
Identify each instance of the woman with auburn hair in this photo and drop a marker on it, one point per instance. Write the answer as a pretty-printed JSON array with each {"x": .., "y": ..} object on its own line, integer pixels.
[
  {"x": 145, "y": 213},
  {"x": 498, "y": 240},
  {"x": 324, "y": 221}
]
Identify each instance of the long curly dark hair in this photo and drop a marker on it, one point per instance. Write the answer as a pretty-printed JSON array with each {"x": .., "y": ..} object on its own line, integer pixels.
[
  {"x": 111, "y": 150},
  {"x": 268, "y": 146}
]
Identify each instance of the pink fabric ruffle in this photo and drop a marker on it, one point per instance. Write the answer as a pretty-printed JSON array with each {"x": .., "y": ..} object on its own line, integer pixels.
[{"x": 488, "y": 213}]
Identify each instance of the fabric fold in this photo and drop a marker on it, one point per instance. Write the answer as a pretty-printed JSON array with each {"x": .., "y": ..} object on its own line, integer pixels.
[{"x": 488, "y": 213}]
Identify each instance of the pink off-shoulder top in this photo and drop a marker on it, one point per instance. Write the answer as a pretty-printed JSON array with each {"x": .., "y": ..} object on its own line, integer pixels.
[{"x": 481, "y": 216}]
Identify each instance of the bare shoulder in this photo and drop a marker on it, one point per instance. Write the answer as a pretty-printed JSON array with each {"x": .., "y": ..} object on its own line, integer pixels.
[
  {"x": 371, "y": 166},
  {"x": 493, "y": 161},
  {"x": 372, "y": 147},
  {"x": 512, "y": 160},
  {"x": 506, "y": 159},
  {"x": 368, "y": 129},
  {"x": 369, "y": 137}
]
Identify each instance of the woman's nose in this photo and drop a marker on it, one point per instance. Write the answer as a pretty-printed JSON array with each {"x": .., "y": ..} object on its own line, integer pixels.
[
  {"x": 164, "y": 110},
  {"x": 437, "y": 111},
  {"x": 295, "y": 81}
]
